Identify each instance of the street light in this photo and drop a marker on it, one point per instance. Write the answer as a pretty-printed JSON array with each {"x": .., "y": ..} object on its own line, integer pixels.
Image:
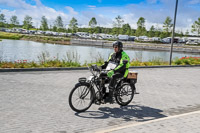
[{"x": 172, "y": 40}]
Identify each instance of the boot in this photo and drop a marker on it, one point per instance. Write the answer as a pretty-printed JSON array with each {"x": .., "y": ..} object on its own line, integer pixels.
[{"x": 111, "y": 97}]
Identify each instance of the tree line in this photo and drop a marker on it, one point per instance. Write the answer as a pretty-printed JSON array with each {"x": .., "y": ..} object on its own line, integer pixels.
[{"x": 119, "y": 27}]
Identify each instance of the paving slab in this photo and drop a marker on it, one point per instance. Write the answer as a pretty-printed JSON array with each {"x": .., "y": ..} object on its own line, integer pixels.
[
  {"x": 37, "y": 102},
  {"x": 183, "y": 123}
]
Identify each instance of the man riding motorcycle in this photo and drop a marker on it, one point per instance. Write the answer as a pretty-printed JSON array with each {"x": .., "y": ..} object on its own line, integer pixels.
[{"x": 119, "y": 64}]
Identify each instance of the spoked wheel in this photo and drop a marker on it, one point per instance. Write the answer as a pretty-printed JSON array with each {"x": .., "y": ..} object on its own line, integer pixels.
[
  {"x": 124, "y": 94},
  {"x": 80, "y": 98}
]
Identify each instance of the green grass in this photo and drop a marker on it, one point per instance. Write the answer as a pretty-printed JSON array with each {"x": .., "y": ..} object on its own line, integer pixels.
[
  {"x": 49, "y": 63},
  {"x": 37, "y": 38},
  {"x": 47, "y": 39},
  {"x": 160, "y": 62},
  {"x": 14, "y": 36},
  {"x": 32, "y": 29},
  {"x": 153, "y": 62}
]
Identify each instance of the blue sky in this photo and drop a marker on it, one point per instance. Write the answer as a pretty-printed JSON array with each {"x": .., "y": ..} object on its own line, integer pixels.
[
  {"x": 105, "y": 11},
  {"x": 84, "y": 3}
]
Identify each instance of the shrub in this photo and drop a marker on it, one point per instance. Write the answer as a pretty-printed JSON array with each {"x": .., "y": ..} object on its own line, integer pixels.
[{"x": 187, "y": 61}]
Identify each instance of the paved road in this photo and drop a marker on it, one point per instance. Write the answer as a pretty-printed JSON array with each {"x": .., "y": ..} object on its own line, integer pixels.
[
  {"x": 38, "y": 102},
  {"x": 183, "y": 123}
]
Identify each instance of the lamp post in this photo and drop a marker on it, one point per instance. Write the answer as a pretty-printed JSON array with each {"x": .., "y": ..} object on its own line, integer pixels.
[{"x": 172, "y": 40}]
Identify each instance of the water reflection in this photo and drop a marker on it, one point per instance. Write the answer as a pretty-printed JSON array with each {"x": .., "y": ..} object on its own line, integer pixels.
[{"x": 13, "y": 50}]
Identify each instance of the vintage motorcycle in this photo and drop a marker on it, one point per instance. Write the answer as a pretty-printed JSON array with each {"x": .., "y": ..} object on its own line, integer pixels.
[{"x": 92, "y": 90}]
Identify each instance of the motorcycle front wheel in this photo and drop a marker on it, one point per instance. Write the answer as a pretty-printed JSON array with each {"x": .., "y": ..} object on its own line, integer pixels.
[{"x": 80, "y": 98}]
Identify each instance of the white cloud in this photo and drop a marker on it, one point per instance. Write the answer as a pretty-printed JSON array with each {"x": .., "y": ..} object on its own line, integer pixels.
[
  {"x": 115, "y": 11},
  {"x": 35, "y": 11},
  {"x": 92, "y": 7},
  {"x": 130, "y": 18},
  {"x": 38, "y": 2},
  {"x": 71, "y": 10},
  {"x": 194, "y": 2},
  {"x": 102, "y": 20},
  {"x": 153, "y": 13},
  {"x": 101, "y": 15},
  {"x": 157, "y": 14},
  {"x": 152, "y": 1},
  {"x": 15, "y": 3}
]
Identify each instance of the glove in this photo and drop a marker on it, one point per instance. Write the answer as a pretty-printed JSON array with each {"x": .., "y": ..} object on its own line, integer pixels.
[{"x": 110, "y": 73}]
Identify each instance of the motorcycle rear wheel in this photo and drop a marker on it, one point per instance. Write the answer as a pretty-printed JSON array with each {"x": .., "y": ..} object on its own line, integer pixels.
[{"x": 124, "y": 94}]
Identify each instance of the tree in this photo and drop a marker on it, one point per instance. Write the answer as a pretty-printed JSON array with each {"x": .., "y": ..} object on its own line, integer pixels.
[
  {"x": 59, "y": 22},
  {"x": 118, "y": 23},
  {"x": 27, "y": 23},
  {"x": 44, "y": 24},
  {"x": 92, "y": 22},
  {"x": 163, "y": 34},
  {"x": 196, "y": 27},
  {"x": 54, "y": 28},
  {"x": 2, "y": 20},
  {"x": 141, "y": 30},
  {"x": 126, "y": 29},
  {"x": 133, "y": 31},
  {"x": 167, "y": 25},
  {"x": 14, "y": 21},
  {"x": 181, "y": 34},
  {"x": 73, "y": 24},
  {"x": 158, "y": 31},
  {"x": 187, "y": 33},
  {"x": 141, "y": 22},
  {"x": 115, "y": 31},
  {"x": 98, "y": 29},
  {"x": 151, "y": 31}
]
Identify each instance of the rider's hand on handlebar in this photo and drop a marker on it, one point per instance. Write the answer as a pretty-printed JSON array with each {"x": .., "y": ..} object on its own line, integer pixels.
[
  {"x": 96, "y": 68},
  {"x": 110, "y": 73}
]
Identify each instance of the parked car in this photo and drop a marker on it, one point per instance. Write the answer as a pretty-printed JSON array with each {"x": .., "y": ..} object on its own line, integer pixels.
[
  {"x": 32, "y": 31},
  {"x": 132, "y": 38},
  {"x": 3, "y": 29},
  {"x": 155, "y": 38},
  {"x": 104, "y": 36},
  {"x": 8, "y": 30},
  {"x": 39, "y": 32},
  {"x": 48, "y": 33},
  {"x": 82, "y": 34},
  {"x": 142, "y": 38},
  {"x": 193, "y": 41},
  {"x": 168, "y": 40},
  {"x": 123, "y": 37},
  {"x": 24, "y": 31},
  {"x": 68, "y": 34}
]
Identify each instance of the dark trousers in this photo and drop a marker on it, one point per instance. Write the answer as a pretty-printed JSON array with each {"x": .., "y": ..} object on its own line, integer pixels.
[{"x": 113, "y": 80}]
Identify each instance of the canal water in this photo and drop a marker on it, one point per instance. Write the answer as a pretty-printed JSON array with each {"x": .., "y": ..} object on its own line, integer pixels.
[{"x": 15, "y": 50}]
